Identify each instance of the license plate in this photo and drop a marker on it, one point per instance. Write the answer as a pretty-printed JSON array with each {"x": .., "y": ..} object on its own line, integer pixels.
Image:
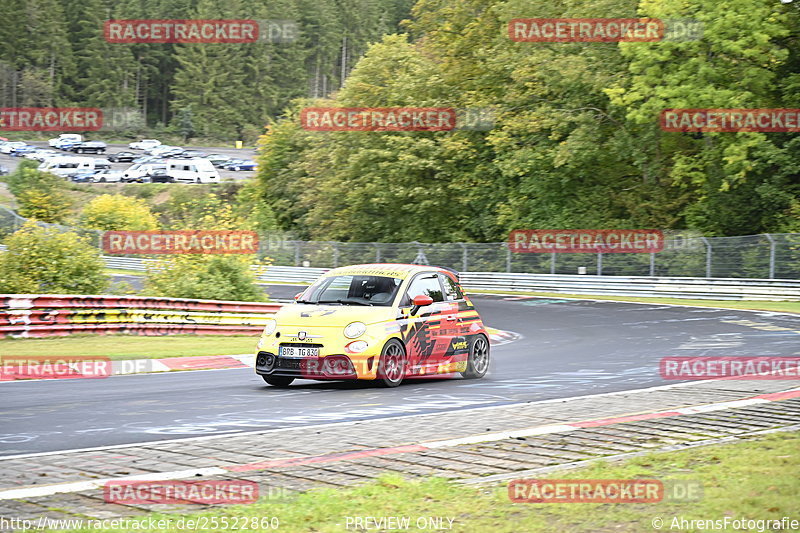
[{"x": 297, "y": 351}]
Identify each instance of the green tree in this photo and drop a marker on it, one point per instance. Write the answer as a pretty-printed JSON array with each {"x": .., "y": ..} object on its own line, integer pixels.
[
  {"x": 206, "y": 277},
  {"x": 118, "y": 212},
  {"x": 47, "y": 261},
  {"x": 40, "y": 195}
]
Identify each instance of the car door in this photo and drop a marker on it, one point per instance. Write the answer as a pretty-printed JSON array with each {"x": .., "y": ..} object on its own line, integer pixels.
[
  {"x": 423, "y": 346},
  {"x": 458, "y": 319}
]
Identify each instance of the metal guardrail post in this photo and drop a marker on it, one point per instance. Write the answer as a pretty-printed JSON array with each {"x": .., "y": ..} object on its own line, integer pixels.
[
  {"x": 599, "y": 263},
  {"x": 771, "y": 255},
  {"x": 377, "y": 253},
  {"x": 464, "y": 257},
  {"x": 552, "y": 262},
  {"x": 708, "y": 256},
  {"x": 652, "y": 264},
  {"x": 508, "y": 257},
  {"x": 297, "y": 245},
  {"x": 335, "y": 254}
]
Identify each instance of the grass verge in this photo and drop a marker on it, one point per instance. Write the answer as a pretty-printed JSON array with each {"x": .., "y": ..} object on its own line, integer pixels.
[
  {"x": 756, "y": 479},
  {"x": 754, "y": 305},
  {"x": 131, "y": 346}
]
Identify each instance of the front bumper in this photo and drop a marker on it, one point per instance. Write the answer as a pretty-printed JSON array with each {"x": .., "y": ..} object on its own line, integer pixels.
[{"x": 334, "y": 366}]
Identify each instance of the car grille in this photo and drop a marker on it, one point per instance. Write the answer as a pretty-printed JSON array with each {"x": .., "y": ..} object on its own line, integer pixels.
[
  {"x": 302, "y": 344},
  {"x": 291, "y": 364}
]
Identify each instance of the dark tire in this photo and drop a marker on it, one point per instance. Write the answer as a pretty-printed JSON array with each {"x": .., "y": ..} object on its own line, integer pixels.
[
  {"x": 102, "y": 180},
  {"x": 478, "y": 359},
  {"x": 392, "y": 364},
  {"x": 278, "y": 381}
]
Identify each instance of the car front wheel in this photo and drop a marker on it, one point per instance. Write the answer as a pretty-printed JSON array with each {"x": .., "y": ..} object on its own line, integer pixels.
[
  {"x": 392, "y": 364},
  {"x": 278, "y": 381},
  {"x": 478, "y": 360}
]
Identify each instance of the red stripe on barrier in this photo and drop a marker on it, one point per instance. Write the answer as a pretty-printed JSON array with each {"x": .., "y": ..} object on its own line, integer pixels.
[
  {"x": 126, "y": 329},
  {"x": 296, "y": 461},
  {"x": 33, "y": 301}
]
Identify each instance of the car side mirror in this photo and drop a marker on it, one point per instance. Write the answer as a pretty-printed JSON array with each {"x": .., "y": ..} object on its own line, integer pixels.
[{"x": 421, "y": 300}]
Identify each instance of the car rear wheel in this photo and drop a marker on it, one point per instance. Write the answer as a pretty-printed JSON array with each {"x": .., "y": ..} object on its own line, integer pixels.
[
  {"x": 392, "y": 364},
  {"x": 102, "y": 180},
  {"x": 478, "y": 359},
  {"x": 278, "y": 381}
]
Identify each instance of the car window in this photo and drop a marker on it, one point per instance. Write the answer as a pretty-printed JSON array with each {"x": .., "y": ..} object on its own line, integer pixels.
[
  {"x": 451, "y": 289},
  {"x": 353, "y": 290},
  {"x": 427, "y": 284}
]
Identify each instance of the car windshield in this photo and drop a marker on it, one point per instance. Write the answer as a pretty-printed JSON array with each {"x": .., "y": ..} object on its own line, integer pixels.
[{"x": 352, "y": 290}]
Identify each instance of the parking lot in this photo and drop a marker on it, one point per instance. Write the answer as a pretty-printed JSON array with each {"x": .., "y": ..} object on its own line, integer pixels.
[{"x": 11, "y": 163}]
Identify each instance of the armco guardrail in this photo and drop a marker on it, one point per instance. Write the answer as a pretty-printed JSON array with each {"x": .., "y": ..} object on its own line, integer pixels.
[
  {"x": 268, "y": 274},
  {"x": 696, "y": 288},
  {"x": 44, "y": 315}
]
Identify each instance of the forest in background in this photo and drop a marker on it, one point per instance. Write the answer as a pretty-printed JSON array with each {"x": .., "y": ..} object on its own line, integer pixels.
[
  {"x": 53, "y": 53},
  {"x": 576, "y": 141}
]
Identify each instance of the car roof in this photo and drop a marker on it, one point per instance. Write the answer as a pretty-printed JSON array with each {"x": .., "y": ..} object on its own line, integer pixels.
[{"x": 395, "y": 270}]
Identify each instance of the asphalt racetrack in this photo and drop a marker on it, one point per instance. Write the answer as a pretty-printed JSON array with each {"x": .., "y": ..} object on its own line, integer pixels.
[{"x": 568, "y": 348}]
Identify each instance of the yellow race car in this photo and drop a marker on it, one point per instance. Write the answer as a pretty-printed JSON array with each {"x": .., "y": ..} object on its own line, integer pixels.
[{"x": 381, "y": 322}]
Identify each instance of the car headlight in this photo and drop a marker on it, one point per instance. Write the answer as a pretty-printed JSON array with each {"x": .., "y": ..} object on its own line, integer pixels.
[
  {"x": 269, "y": 327},
  {"x": 354, "y": 330}
]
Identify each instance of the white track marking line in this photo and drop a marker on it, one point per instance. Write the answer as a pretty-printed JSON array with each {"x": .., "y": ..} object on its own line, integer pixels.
[
  {"x": 354, "y": 422},
  {"x": 47, "y": 490},
  {"x": 78, "y": 486}
]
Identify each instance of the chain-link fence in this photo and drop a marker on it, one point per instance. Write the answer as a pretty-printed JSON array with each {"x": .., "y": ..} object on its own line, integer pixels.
[
  {"x": 751, "y": 256},
  {"x": 774, "y": 255}
]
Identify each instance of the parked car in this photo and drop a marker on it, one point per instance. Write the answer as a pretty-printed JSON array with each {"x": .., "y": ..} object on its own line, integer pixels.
[
  {"x": 43, "y": 154},
  {"x": 378, "y": 322},
  {"x": 196, "y": 170},
  {"x": 71, "y": 137},
  {"x": 107, "y": 176},
  {"x": 34, "y": 154},
  {"x": 147, "y": 159},
  {"x": 3, "y": 170},
  {"x": 158, "y": 150},
  {"x": 64, "y": 166},
  {"x": 159, "y": 175},
  {"x": 240, "y": 164},
  {"x": 86, "y": 176},
  {"x": 89, "y": 147},
  {"x": 218, "y": 160},
  {"x": 22, "y": 151},
  {"x": 122, "y": 157},
  {"x": 190, "y": 154},
  {"x": 144, "y": 144},
  {"x": 139, "y": 172},
  {"x": 9, "y": 147},
  {"x": 102, "y": 164},
  {"x": 174, "y": 153},
  {"x": 66, "y": 144}
]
